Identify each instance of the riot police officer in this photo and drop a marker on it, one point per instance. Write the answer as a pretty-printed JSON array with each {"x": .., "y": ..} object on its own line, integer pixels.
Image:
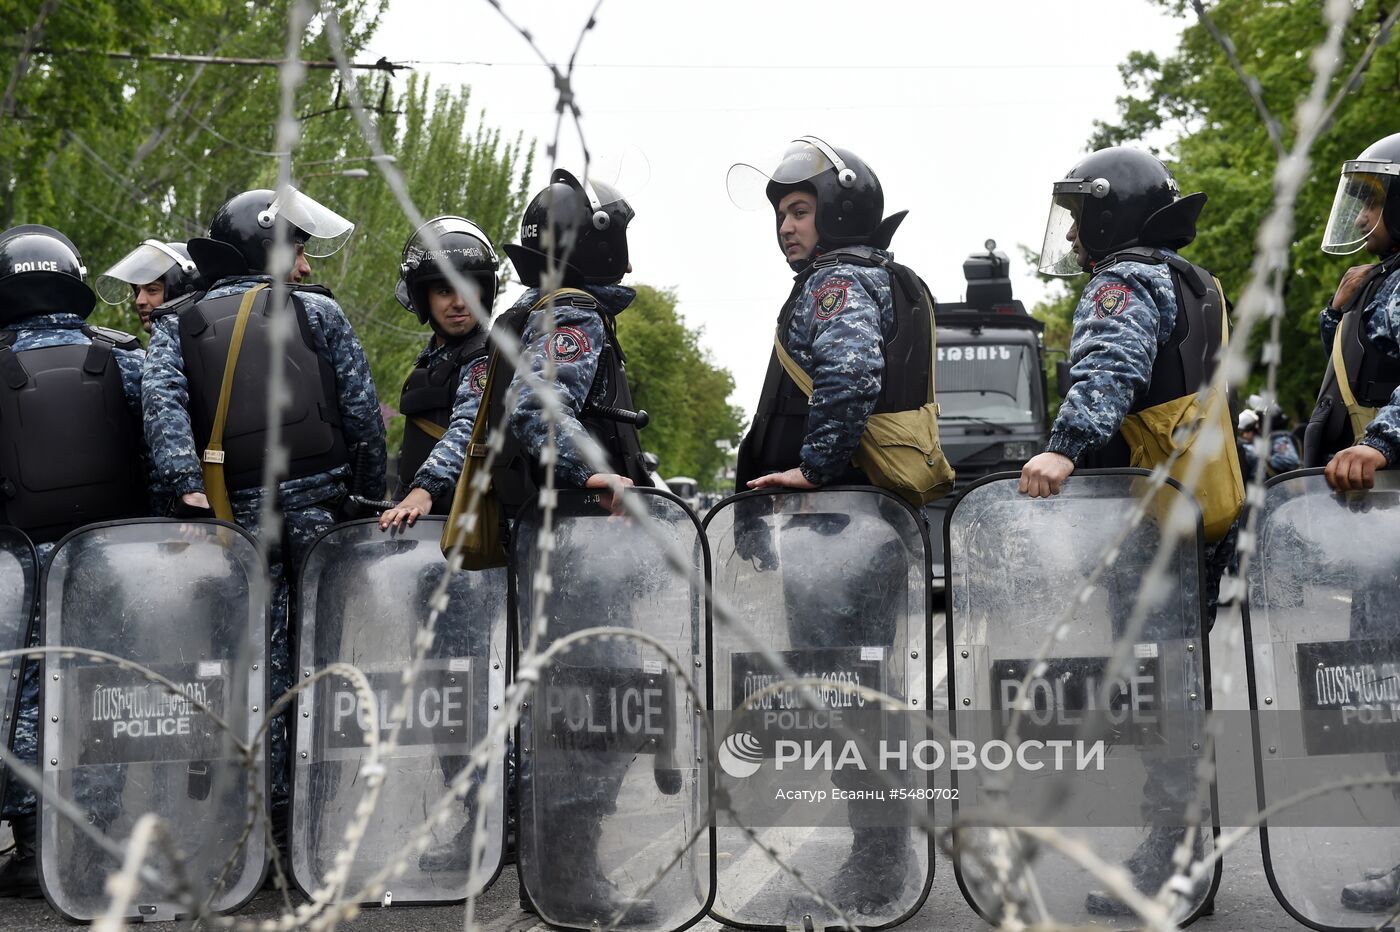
[
  {"x": 847, "y": 314},
  {"x": 441, "y": 395},
  {"x": 1146, "y": 334},
  {"x": 69, "y": 379},
  {"x": 150, "y": 275},
  {"x": 192, "y": 390},
  {"x": 572, "y": 256},
  {"x": 1357, "y": 416}
]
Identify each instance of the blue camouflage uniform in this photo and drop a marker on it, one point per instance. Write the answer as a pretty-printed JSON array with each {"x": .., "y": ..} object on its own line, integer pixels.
[
  {"x": 836, "y": 332},
  {"x": 575, "y": 347},
  {"x": 1112, "y": 352},
  {"x": 1125, "y": 315},
  {"x": 1381, "y": 318},
  {"x": 308, "y": 505},
  {"x": 439, "y": 472},
  {"x": 37, "y": 332}
]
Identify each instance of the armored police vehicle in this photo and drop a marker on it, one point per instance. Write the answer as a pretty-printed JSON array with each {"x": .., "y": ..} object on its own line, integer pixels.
[{"x": 990, "y": 380}]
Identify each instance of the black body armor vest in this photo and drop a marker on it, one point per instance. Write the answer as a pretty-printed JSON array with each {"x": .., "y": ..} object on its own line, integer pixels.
[
  {"x": 516, "y": 477},
  {"x": 1372, "y": 373},
  {"x": 70, "y": 447},
  {"x": 430, "y": 394},
  {"x": 1189, "y": 357},
  {"x": 311, "y": 427},
  {"x": 774, "y": 442}
]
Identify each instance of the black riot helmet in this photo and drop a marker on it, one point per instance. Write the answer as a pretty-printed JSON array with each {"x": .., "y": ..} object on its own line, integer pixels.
[
  {"x": 41, "y": 272},
  {"x": 1117, "y": 197},
  {"x": 244, "y": 229},
  {"x": 850, "y": 200},
  {"x": 153, "y": 260},
  {"x": 461, "y": 245},
  {"x": 1367, "y": 196},
  {"x": 579, "y": 226}
]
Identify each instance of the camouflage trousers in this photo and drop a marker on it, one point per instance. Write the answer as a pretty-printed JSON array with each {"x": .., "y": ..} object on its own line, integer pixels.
[
  {"x": 19, "y": 798},
  {"x": 286, "y": 554}
]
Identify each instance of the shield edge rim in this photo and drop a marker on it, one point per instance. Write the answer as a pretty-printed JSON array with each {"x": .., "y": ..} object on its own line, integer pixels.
[
  {"x": 921, "y": 523},
  {"x": 40, "y": 616},
  {"x": 563, "y": 495},
  {"x": 1209, "y": 898}
]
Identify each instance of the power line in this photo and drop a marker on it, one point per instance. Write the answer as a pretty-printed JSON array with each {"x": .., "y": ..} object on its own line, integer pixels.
[
  {"x": 383, "y": 64},
  {"x": 710, "y": 66}
]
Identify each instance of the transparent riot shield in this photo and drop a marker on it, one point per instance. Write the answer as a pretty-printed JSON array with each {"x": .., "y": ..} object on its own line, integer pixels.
[
  {"x": 365, "y": 597},
  {"x": 1098, "y": 687},
  {"x": 18, "y": 578},
  {"x": 1323, "y": 624},
  {"x": 187, "y": 602},
  {"x": 613, "y": 792},
  {"x": 828, "y": 588}
]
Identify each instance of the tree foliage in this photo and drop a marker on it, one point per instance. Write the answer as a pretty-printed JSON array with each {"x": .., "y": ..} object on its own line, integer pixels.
[
  {"x": 1192, "y": 109},
  {"x": 674, "y": 381}
]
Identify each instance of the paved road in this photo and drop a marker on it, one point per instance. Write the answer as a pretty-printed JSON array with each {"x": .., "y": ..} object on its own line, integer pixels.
[{"x": 1243, "y": 903}]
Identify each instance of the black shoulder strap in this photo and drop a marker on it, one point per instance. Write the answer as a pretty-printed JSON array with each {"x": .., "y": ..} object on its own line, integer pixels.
[
  {"x": 177, "y": 305},
  {"x": 855, "y": 255},
  {"x": 321, "y": 290},
  {"x": 12, "y": 371},
  {"x": 118, "y": 338}
]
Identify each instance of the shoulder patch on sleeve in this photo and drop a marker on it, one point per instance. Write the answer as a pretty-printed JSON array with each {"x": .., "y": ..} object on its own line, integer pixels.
[
  {"x": 830, "y": 298},
  {"x": 476, "y": 376},
  {"x": 568, "y": 344},
  {"x": 1111, "y": 299}
]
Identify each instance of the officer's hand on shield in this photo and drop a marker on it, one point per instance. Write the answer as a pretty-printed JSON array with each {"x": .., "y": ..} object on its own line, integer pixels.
[
  {"x": 1354, "y": 468},
  {"x": 415, "y": 505},
  {"x": 614, "y": 483},
  {"x": 788, "y": 479},
  {"x": 192, "y": 505},
  {"x": 1044, "y": 473},
  {"x": 1351, "y": 280}
]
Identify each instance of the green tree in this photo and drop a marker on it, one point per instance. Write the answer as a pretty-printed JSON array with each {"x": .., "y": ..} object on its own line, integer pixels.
[
  {"x": 1218, "y": 143},
  {"x": 675, "y": 382}
]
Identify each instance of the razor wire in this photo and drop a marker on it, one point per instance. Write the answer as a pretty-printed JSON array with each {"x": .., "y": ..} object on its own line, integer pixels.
[{"x": 1261, "y": 299}]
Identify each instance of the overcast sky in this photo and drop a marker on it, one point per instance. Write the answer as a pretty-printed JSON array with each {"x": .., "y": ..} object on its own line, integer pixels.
[{"x": 966, "y": 111}]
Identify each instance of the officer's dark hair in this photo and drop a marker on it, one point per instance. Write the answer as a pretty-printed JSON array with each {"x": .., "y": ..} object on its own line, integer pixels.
[
  {"x": 41, "y": 272},
  {"x": 1130, "y": 199},
  {"x": 462, "y": 245},
  {"x": 850, "y": 199},
  {"x": 578, "y": 226},
  {"x": 239, "y": 242}
]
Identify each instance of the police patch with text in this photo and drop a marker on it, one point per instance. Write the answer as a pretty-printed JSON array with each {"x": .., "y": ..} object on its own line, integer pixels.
[
  {"x": 831, "y": 298},
  {"x": 1110, "y": 300},
  {"x": 568, "y": 344}
]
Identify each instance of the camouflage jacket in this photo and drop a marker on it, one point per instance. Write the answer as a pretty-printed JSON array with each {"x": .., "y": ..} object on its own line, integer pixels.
[
  {"x": 835, "y": 332},
  {"x": 165, "y": 395},
  {"x": 438, "y": 474},
  {"x": 1381, "y": 318},
  {"x": 574, "y": 348},
  {"x": 1124, "y": 316}
]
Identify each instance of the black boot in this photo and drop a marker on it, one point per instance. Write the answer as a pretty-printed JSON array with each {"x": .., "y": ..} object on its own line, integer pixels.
[
  {"x": 1378, "y": 893},
  {"x": 1151, "y": 866},
  {"x": 871, "y": 879},
  {"x": 455, "y": 854},
  {"x": 19, "y": 878}
]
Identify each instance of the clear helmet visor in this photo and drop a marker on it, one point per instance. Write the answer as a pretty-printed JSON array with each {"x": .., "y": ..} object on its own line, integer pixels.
[
  {"x": 326, "y": 231},
  {"x": 143, "y": 265},
  {"x": 1057, "y": 254},
  {"x": 801, "y": 161},
  {"x": 1356, "y": 210}
]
